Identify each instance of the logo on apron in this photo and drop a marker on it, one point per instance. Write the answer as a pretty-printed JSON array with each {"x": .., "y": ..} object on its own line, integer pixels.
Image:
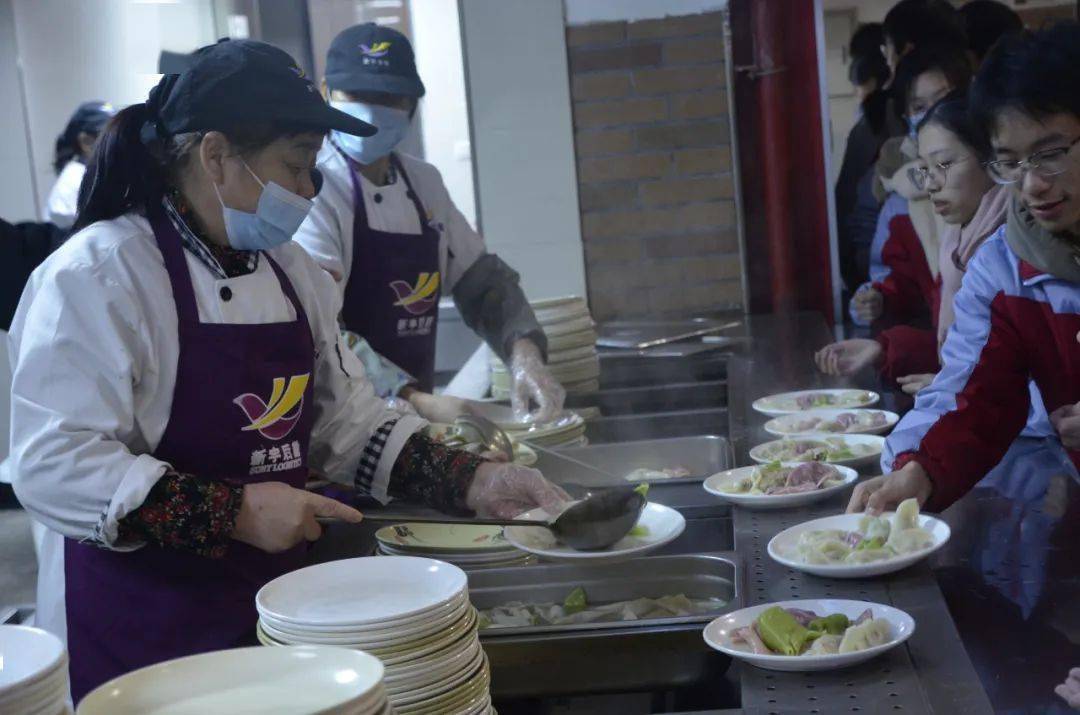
[
  {"x": 418, "y": 299},
  {"x": 276, "y": 418}
]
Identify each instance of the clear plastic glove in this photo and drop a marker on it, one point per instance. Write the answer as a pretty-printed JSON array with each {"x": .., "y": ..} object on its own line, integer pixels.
[
  {"x": 885, "y": 493},
  {"x": 532, "y": 379},
  {"x": 914, "y": 384},
  {"x": 847, "y": 357},
  {"x": 1070, "y": 689},
  {"x": 867, "y": 305},
  {"x": 439, "y": 408},
  {"x": 1066, "y": 420},
  {"x": 505, "y": 490}
]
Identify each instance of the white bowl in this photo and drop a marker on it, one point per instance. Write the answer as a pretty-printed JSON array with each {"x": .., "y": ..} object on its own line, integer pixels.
[
  {"x": 302, "y": 679},
  {"x": 782, "y": 547},
  {"x": 779, "y": 426},
  {"x": 663, "y": 523},
  {"x": 783, "y": 403},
  {"x": 759, "y": 455},
  {"x": 714, "y": 485},
  {"x": 718, "y": 634},
  {"x": 361, "y": 592},
  {"x": 28, "y": 658}
]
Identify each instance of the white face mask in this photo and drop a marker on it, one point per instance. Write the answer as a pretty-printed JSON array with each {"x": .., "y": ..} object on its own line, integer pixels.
[
  {"x": 392, "y": 124},
  {"x": 277, "y": 217}
]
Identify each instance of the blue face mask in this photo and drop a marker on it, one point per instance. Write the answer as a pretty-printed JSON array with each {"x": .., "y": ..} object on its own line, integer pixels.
[
  {"x": 277, "y": 217},
  {"x": 391, "y": 123},
  {"x": 913, "y": 123}
]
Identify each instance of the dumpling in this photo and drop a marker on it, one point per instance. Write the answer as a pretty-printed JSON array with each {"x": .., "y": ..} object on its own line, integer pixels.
[
  {"x": 825, "y": 551},
  {"x": 872, "y": 633},
  {"x": 873, "y": 527},
  {"x": 905, "y": 541},
  {"x": 825, "y": 645},
  {"x": 865, "y": 556},
  {"x": 907, "y": 515}
]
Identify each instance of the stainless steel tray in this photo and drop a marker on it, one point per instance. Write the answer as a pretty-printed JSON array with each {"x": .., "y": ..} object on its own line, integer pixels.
[
  {"x": 702, "y": 455},
  {"x": 695, "y": 575}
]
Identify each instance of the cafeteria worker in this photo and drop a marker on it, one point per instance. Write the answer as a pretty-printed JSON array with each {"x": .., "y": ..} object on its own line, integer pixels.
[
  {"x": 178, "y": 372},
  {"x": 385, "y": 227}
]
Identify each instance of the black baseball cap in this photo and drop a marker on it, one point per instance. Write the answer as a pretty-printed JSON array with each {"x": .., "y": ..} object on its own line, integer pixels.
[
  {"x": 90, "y": 117},
  {"x": 235, "y": 82},
  {"x": 373, "y": 58}
]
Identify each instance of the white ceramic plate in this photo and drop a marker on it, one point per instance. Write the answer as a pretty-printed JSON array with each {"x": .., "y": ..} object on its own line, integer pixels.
[
  {"x": 303, "y": 679},
  {"x": 373, "y": 630},
  {"x": 760, "y": 453},
  {"x": 782, "y": 547},
  {"x": 508, "y": 554},
  {"x": 451, "y": 539},
  {"x": 28, "y": 657},
  {"x": 784, "y": 402},
  {"x": 363, "y": 591},
  {"x": 786, "y": 426},
  {"x": 371, "y": 639},
  {"x": 566, "y": 422},
  {"x": 718, "y": 634},
  {"x": 664, "y": 525},
  {"x": 715, "y": 484}
]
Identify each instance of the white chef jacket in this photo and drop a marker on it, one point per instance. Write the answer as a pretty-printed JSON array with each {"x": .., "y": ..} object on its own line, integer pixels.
[
  {"x": 63, "y": 203},
  {"x": 327, "y": 234}
]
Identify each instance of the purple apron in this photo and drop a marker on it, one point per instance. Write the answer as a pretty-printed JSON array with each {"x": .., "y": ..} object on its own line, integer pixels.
[
  {"x": 392, "y": 297},
  {"x": 126, "y": 610}
]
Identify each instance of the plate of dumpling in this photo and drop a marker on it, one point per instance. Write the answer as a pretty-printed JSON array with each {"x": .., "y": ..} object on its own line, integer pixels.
[
  {"x": 779, "y": 485},
  {"x": 860, "y": 545},
  {"x": 809, "y": 634}
]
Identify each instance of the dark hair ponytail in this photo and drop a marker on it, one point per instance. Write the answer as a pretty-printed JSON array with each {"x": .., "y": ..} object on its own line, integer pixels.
[
  {"x": 122, "y": 174},
  {"x": 65, "y": 151}
]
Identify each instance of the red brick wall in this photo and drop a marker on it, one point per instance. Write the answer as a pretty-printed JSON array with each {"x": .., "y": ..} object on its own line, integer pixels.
[{"x": 654, "y": 166}]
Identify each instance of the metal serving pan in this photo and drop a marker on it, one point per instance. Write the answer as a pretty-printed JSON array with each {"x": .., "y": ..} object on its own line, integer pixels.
[
  {"x": 703, "y": 456},
  {"x": 656, "y": 425},
  {"x": 694, "y": 575}
]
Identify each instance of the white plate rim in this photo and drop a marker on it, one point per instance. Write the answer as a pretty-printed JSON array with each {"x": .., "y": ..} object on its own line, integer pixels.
[
  {"x": 874, "y": 439},
  {"x": 929, "y": 522},
  {"x": 781, "y": 501}
]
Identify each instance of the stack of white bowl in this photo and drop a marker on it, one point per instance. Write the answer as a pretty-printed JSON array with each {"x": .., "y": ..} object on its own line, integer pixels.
[
  {"x": 411, "y": 613},
  {"x": 299, "y": 680},
  {"x": 472, "y": 547},
  {"x": 33, "y": 672},
  {"x": 572, "y": 356}
]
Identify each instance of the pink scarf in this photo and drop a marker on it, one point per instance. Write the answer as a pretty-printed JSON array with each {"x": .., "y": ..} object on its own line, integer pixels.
[{"x": 958, "y": 245}]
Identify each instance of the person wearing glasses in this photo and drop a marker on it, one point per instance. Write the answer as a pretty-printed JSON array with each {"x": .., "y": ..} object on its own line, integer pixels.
[
  {"x": 902, "y": 289},
  {"x": 1018, "y": 310}
]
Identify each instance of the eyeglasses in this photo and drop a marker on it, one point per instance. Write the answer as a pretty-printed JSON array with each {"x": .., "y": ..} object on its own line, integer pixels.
[
  {"x": 1047, "y": 163},
  {"x": 939, "y": 172}
]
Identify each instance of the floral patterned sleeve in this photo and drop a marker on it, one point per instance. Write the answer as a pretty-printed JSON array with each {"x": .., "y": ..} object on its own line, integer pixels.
[
  {"x": 185, "y": 512},
  {"x": 429, "y": 472}
]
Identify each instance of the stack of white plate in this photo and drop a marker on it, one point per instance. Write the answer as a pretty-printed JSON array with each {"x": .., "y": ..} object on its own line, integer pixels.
[
  {"x": 568, "y": 430},
  {"x": 299, "y": 680},
  {"x": 572, "y": 356},
  {"x": 33, "y": 672},
  {"x": 472, "y": 547},
  {"x": 411, "y": 613}
]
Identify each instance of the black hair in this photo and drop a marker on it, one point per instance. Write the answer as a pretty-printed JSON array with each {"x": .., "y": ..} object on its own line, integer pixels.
[
  {"x": 954, "y": 114},
  {"x": 922, "y": 22},
  {"x": 866, "y": 41},
  {"x": 125, "y": 174},
  {"x": 869, "y": 68},
  {"x": 950, "y": 60},
  {"x": 1034, "y": 73},
  {"x": 67, "y": 148},
  {"x": 985, "y": 22}
]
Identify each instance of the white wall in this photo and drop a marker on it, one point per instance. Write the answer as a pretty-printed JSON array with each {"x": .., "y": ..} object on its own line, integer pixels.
[
  {"x": 436, "y": 36},
  {"x": 17, "y": 200},
  {"x": 582, "y": 12},
  {"x": 76, "y": 50},
  {"x": 522, "y": 140}
]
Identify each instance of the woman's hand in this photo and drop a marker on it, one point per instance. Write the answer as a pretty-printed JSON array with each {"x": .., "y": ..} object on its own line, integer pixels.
[
  {"x": 885, "y": 493},
  {"x": 275, "y": 517},
  {"x": 847, "y": 357},
  {"x": 505, "y": 490},
  {"x": 1070, "y": 689},
  {"x": 1066, "y": 420},
  {"x": 914, "y": 384},
  {"x": 532, "y": 379},
  {"x": 439, "y": 408},
  {"x": 868, "y": 305}
]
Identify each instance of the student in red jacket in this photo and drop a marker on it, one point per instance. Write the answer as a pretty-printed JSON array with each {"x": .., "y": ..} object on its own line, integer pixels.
[{"x": 1018, "y": 310}]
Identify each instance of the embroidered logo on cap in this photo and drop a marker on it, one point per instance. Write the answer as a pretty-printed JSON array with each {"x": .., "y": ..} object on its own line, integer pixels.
[
  {"x": 418, "y": 299},
  {"x": 379, "y": 49},
  {"x": 275, "y": 418}
]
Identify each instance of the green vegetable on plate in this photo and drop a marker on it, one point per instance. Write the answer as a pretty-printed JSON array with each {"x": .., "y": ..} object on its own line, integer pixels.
[
  {"x": 781, "y": 633},
  {"x": 575, "y": 601},
  {"x": 834, "y": 624},
  {"x": 642, "y": 489}
]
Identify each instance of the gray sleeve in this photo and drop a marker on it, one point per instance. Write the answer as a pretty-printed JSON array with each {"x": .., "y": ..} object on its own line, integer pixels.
[{"x": 492, "y": 303}]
